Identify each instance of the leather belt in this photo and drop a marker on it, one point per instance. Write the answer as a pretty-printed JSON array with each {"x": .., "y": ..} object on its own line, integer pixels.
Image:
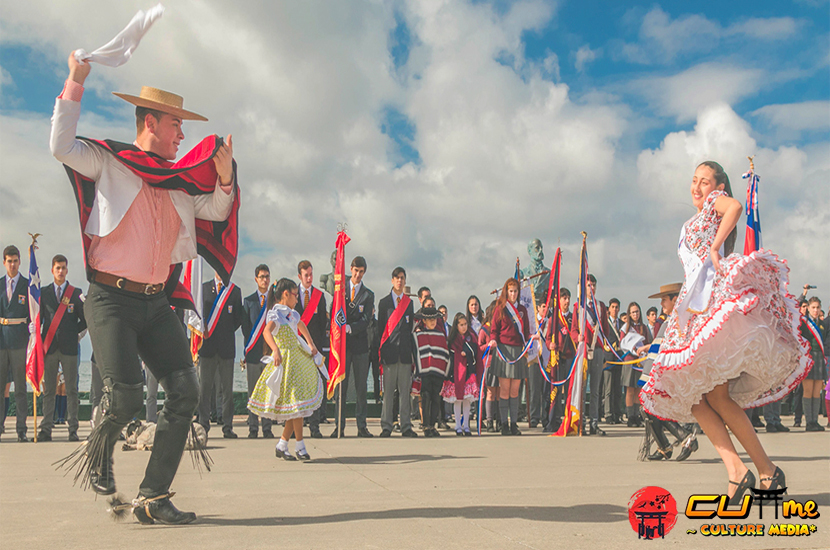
[
  {"x": 126, "y": 284},
  {"x": 4, "y": 321}
]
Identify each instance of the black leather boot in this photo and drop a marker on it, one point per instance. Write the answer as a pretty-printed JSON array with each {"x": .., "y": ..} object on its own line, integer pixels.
[{"x": 162, "y": 511}]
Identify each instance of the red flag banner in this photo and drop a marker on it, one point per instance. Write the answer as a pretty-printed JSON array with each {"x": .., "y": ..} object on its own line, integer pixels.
[{"x": 337, "y": 353}]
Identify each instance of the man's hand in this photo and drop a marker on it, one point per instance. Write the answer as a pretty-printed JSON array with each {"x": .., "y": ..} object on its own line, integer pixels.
[
  {"x": 78, "y": 71},
  {"x": 224, "y": 165},
  {"x": 347, "y": 328}
]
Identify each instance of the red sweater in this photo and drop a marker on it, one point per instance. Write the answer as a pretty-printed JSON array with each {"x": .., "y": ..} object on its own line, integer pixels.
[
  {"x": 463, "y": 368},
  {"x": 503, "y": 329}
]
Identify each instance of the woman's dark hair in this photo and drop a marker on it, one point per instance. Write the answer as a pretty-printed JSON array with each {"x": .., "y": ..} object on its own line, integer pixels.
[
  {"x": 278, "y": 289},
  {"x": 430, "y": 299},
  {"x": 454, "y": 330},
  {"x": 488, "y": 312},
  {"x": 722, "y": 179},
  {"x": 480, "y": 315}
]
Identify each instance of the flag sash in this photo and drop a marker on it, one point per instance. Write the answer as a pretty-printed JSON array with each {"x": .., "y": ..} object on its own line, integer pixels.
[
  {"x": 256, "y": 332},
  {"x": 218, "y": 307},
  {"x": 392, "y": 322},
  {"x": 517, "y": 321},
  {"x": 814, "y": 330},
  {"x": 56, "y": 320},
  {"x": 311, "y": 306}
]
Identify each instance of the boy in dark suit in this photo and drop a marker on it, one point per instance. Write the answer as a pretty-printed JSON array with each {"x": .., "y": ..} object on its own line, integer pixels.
[
  {"x": 396, "y": 317},
  {"x": 360, "y": 308},
  {"x": 219, "y": 350},
  {"x": 60, "y": 345},
  {"x": 14, "y": 337},
  {"x": 315, "y": 319},
  {"x": 252, "y": 307}
]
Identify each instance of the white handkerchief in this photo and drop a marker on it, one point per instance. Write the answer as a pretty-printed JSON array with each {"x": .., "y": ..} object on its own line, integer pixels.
[{"x": 118, "y": 51}]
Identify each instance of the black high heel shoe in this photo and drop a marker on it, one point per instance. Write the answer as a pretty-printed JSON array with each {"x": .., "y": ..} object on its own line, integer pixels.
[
  {"x": 746, "y": 483},
  {"x": 777, "y": 481}
]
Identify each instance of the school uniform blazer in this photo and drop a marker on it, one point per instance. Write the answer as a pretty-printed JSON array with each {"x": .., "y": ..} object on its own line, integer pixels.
[
  {"x": 400, "y": 346},
  {"x": 72, "y": 323},
  {"x": 250, "y": 309},
  {"x": 222, "y": 342},
  {"x": 317, "y": 325},
  {"x": 589, "y": 330},
  {"x": 815, "y": 349},
  {"x": 503, "y": 330},
  {"x": 359, "y": 316},
  {"x": 15, "y": 336}
]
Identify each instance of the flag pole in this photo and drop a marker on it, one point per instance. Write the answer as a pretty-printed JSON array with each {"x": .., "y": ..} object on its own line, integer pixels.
[{"x": 34, "y": 389}]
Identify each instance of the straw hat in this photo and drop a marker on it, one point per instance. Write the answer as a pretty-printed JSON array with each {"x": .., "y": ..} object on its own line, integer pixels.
[
  {"x": 666, "y": 290},
  {"x": 159, "y": 100}
]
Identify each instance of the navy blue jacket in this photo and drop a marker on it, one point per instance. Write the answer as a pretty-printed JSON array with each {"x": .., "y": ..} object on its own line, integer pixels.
[{"x": 15, "y": 336}]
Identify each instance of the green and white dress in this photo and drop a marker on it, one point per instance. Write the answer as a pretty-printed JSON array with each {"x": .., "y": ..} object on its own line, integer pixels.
[{"x": 301, "y": 387}]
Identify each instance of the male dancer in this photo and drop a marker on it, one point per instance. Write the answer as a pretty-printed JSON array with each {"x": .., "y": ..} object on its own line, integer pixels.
[
  {"x": 253, "y": 322},
  {"x": 62, "y": 314},
  {"x": 139, "y": 217}
]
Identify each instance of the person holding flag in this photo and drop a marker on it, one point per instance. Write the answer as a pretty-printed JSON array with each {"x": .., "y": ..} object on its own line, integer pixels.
[
  {"x": 253, "y": 323},
  {"x": 62, "y": 316},
  {"x": 139, "y": 214},
  {"x": 14, "y": 337},
  {"x": 359, "y": 304},
  {"x": 223, "y": 302}
]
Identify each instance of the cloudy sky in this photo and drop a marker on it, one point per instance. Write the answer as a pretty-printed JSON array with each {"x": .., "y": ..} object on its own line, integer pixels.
[{"x": 447, "y": 134}]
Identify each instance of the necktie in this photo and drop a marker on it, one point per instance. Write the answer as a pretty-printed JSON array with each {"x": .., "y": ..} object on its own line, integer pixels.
[
  {"x": 352, "y": 299},
  {"x": 397, "y": 301},
  {"x": 9, "y": 289},
  {"x": 218, "y": 287},
  {"x": 59, "y": 293},
  {"x": 305, "y": 301},
  {"x": 262, "y": 300}
]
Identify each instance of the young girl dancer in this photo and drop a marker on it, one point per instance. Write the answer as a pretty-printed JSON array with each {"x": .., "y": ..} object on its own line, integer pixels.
[
  {"x": 732, "y": 340},
  {"x": 462, "y": 387},
  {"x": 301, "y": 387}
]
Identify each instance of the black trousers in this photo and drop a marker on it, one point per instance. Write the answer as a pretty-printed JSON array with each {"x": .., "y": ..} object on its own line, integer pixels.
[
  {"x": 431, "y": 398},
  {"x": 123, "y": 326}
]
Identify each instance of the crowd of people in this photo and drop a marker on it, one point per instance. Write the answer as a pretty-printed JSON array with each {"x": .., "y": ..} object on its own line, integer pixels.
[{"x": 432, "y": 364}]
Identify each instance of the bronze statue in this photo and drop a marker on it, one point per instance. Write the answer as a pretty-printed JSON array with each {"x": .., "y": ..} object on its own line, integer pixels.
[
  {"x": 540, "y": 283},
  {"x": 327, "y": 279}
]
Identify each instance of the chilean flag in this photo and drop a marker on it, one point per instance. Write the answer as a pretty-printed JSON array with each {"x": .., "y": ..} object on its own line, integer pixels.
[
  {"x": 34, "y": 351},
  {"x": 752, "y": 240}
]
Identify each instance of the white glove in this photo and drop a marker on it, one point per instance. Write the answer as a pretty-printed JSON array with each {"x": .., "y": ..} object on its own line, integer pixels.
[
  {"x": 31, "y": 328},
  {"x": 348, "y": 329}
]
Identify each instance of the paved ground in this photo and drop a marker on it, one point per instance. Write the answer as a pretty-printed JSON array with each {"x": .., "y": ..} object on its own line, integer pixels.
[{"x": 450, "y": 492}]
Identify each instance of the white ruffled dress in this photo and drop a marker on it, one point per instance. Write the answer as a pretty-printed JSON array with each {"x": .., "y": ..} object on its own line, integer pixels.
[{"x": 740, "y": 327}]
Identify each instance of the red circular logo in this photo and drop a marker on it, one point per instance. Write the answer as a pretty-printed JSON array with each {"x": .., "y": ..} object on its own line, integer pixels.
[{"x": 652, "y": 512}]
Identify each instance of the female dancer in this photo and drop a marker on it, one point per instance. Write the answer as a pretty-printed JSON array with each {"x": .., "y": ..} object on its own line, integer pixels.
[
  {"x": 631, "y": 376},
  {"x": 732, "y": 340},
  {"x": 462, "y": 387},
  {"x": 301, "y": 387},
  {"x": 509, "y": 333},
  {"x": 817, "y": 333}
]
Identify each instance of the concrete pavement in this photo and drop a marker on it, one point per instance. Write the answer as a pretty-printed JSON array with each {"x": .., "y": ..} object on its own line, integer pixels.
[{"x": 500, "y": 492}]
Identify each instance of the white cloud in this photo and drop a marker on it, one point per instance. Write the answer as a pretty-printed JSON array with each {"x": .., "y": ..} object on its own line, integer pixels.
[
  {"x": 685, "y": 94},
  {"x": 506, "y": 153},
  {"x": 807, "y": 115},
  {"x": 585, "y": 55},
  {"x": 663, "y": 39}
]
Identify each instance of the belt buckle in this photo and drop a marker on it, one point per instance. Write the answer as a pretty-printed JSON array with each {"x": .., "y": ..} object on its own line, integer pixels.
[
  {"x": 150, "y": 290},
  {"x": 121, "y": 283},
  {"x": 4, "y": 321}
]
